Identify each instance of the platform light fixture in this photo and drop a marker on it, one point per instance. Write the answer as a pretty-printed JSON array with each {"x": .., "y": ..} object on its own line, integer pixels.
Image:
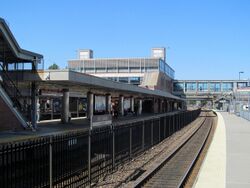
[{"x": 241, "y": 72}]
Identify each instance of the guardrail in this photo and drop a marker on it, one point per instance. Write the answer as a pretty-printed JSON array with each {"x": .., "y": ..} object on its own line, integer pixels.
[{"x": 81, "y": 158}]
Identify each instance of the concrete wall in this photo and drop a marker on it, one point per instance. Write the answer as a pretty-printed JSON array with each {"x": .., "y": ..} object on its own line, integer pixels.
[
  {"x": 157, "y": 81},
  {"x": 8, "y": 119}
]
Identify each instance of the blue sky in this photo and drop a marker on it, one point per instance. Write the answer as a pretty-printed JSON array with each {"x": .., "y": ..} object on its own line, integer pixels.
[{"x": 207, "y": 39}]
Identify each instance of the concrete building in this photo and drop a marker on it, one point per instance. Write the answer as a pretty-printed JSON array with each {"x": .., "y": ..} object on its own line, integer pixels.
[
  {"x": 150, "y": 72},
  {"x": 28, "y": 93}
]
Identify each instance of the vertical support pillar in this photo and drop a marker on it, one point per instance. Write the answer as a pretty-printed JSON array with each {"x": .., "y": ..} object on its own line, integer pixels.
[
  {"x": 52, "y": 108},
  {"x": 132, "y": 103},
  {"x": 108, "y": 103},
  {"x": 140, "y": 107},
  {"x": 34, "y": 110},
  {"x": 90, "y": 105},
  {"x": 65, "y": 106},
  {"x": 77, "y": 107},
  {"x": 121, "y": 105}
]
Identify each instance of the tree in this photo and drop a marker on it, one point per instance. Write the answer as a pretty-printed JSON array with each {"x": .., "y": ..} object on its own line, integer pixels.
[{"x": 54, "y": 66}]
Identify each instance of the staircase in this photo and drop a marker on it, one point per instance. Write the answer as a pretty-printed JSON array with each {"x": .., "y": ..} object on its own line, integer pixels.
[{"x": 11, "y": 109}]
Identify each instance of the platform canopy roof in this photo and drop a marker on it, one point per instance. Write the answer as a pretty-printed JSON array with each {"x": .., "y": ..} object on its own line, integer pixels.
[
  {"x": 10, "y": 51},
  {"x": 81, "y": 82}
]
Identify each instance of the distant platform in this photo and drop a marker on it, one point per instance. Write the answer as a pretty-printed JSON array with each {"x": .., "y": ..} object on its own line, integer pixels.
[{"x": 227, "y": 163}]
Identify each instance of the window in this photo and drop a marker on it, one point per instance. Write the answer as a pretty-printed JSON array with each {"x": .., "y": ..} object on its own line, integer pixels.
[
  {"x": 202, "y": 87},
  {"x": 191, "y": 86},
  {"x": 123, "y": 79},
  {"x": 227, "y": 86},
  {"x": 214, "y": 87},
  {"x": 178, "y": 86},
  {"x": 135, "y": 80},
  {"x": 241, "y": 84}
]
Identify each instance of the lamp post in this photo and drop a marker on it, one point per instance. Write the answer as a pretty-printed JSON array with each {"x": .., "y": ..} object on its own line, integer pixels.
[{"x": 241, "y": 72}]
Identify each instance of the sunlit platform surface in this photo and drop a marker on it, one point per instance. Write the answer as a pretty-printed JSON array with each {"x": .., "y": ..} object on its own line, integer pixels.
[{"x": 227, "y": 163}]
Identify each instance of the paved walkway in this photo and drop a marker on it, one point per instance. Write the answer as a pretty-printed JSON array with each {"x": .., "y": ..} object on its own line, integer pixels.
[
  {"x": 238, "y": 151},
  {"x": 227, "y": 163}
]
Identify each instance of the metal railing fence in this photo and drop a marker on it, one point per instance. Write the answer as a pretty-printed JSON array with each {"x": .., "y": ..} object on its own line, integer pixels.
[{"x": 78, "y": 159}]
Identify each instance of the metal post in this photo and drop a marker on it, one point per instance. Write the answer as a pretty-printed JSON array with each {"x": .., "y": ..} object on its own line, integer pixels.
[
  {"x": 152, "y": 132},
  {"x": 113, "y": 146},
  {"x": 130, "y": 141},
  {"x": 159, "y": 129},
  {"x": 165, "y": 121},
  {"x": 173, "y": 123},
  {"x": 50, "y": 163},
  {"x": 33, "y": 106},
  {"x": 89, "y": 151},
  {"x": 65, "y": 106},
  {"x": 77, "y": 107},
  {"x": 143, "y": 135},
  {"x": 169, "y": 125},
  {"x": 52, "y": 109}
]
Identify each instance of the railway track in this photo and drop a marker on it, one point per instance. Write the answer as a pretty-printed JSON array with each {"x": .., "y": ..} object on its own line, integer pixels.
[{"x": 175, "y": 170}]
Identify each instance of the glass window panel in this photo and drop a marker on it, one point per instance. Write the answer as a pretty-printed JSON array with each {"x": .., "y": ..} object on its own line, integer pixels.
[
  {"x": 191, "y": 86},
  {"x": 178, "y": 86},
  {"x": 202, "y": 87},
  {"x": 215, "y": 87},
  {"x": 227, "y": 86}
]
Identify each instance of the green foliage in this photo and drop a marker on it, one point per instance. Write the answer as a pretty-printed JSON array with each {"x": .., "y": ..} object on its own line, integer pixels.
[{"x": 54, "y": 66}]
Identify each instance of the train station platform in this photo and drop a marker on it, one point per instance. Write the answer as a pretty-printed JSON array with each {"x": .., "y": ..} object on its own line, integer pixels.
[
  {"x": 56, "y": 127},
  {"x": 227, "y": 163}
]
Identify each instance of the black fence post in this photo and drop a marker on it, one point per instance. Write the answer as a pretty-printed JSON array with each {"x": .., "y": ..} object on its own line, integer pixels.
[
  {"x": 113, "y": 146},
  {"x": 152, "y": 132},
  {"x": 130, "y": 141},
  {"x": 159, "y": 129},
  {"x": 89, "y": 156},
  {"x": 50, "y": 162},
  {"x": 164, "y": 128},
  {"x": 143, "y": 135}
]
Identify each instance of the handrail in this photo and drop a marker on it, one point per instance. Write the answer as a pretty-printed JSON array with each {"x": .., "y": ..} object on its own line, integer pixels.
[{"x": 11, "y": 89}]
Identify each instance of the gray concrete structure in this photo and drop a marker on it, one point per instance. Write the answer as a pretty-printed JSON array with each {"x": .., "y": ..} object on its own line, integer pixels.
[
  {"x": 132, "y": 103},
  {"x": 108, "y": 103},
  {"x": 121, "y": 105},
  {"x": 90, "y": 105},
  {"x": 65, "y": 106},
  {"x": 140, "y": 107}
]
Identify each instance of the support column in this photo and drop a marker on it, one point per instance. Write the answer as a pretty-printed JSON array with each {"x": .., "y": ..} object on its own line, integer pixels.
[
  {"x": 132, "y": 104},
  {"x": 65, "y": 106},
  {"x": 34, "y": 111},
  {"x": 52, "y": 108},
  {"x": 108, "y": 103},
  {"x": 140, "y": 107},
  {"x": 77, "y": 107},
  {"x": 161, "y": 106},
  {"x": 156, "y": 105},
  {"x": 90, "y": 104},
  {"x": 121, "y": 105}
]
